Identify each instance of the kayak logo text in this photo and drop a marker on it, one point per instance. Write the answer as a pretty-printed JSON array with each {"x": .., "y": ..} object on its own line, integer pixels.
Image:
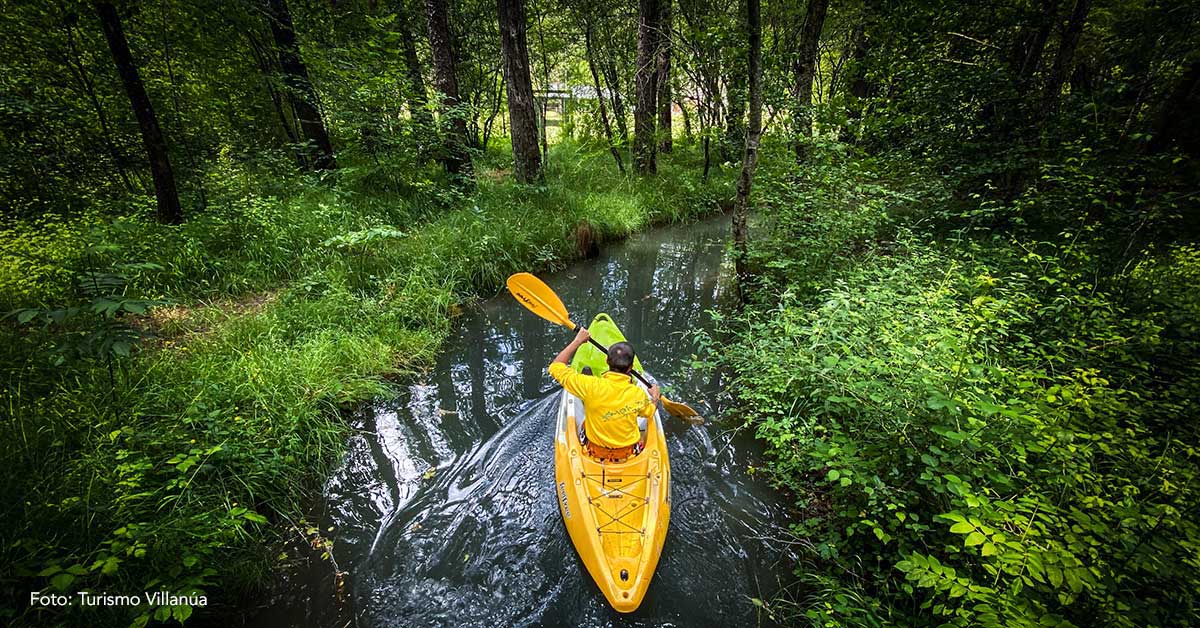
[{"x": 562, "y": 489}]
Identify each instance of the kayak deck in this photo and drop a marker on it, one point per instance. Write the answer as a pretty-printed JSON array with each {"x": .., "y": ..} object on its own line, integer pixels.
[{"x": 616, "y": 514}]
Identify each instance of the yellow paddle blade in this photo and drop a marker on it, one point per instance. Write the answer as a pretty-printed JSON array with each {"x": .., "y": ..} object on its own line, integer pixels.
[
  {"x": 535, "y": 295},
  {"x": 681, "y": 410}
]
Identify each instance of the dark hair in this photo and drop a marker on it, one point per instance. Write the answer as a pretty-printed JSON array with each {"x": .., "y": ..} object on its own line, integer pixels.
[{"x": 620, "y": 357}]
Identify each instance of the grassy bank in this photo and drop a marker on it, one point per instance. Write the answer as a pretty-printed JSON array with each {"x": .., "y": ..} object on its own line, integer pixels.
[
  {"x": 173, "y": 392},
  {"x": 980, "y": 425}
]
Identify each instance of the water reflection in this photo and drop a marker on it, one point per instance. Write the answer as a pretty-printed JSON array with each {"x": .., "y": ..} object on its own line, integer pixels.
[{"x": 443, "y": 509}]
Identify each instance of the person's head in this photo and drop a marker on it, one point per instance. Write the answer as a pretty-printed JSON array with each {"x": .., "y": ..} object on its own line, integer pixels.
[{"x": 620, "y": 357}]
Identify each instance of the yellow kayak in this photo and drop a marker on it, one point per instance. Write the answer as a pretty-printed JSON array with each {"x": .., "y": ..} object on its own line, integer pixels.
[{"x": 615, "y": 513}]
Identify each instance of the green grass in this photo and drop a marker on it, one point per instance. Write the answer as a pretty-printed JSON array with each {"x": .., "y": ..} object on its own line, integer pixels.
[{"x": 177, "y": 468}]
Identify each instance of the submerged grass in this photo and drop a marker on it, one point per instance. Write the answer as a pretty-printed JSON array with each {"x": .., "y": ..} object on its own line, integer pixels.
[{"x": 170, "y": 468}]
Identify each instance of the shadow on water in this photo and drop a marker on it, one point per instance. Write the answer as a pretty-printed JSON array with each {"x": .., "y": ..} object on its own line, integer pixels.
[{"x": 443, "y": 509}]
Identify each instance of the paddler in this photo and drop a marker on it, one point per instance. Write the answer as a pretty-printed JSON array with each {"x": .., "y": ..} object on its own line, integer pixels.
[{"x": 615, "y": 407}]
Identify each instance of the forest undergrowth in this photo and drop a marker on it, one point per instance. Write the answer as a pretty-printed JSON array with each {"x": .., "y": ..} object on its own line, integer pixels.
[{"x": 983, "y": 410}]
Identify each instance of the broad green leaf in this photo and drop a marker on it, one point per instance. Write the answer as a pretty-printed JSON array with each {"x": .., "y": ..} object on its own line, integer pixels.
[{"x": 962, "y": 527}]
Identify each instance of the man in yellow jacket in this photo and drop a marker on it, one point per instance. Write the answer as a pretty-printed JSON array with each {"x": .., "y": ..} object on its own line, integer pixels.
[{"x": 615, "y": 407}]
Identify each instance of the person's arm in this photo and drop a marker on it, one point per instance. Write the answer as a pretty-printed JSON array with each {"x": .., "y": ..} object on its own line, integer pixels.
[
  {"x": 581, "y": 338},
  {"x": 655, "y": 395},
  {"x": 560, "y": 370}
]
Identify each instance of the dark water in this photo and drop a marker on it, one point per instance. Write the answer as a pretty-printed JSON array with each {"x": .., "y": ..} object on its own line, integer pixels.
[{"x": 443, "y": 510}]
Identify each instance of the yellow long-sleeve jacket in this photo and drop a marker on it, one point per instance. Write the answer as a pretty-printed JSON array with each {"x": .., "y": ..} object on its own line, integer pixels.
[{"x": 612, "y": 404}]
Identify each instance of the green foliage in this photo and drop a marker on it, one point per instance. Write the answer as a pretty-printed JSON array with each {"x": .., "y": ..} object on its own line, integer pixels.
[
  {"x": 257, "y": 322},
  {"x": 984, "y": 432}
]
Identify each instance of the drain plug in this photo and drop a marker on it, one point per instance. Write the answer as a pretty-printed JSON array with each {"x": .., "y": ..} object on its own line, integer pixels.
[{"x": 624, "y": 575}]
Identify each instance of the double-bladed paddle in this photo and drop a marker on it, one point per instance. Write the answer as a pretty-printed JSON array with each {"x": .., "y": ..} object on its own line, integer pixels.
[{"x": 538, "y": 298}]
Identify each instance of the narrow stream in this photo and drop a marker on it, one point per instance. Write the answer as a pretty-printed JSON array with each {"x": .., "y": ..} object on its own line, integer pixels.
[{"x": 443, "y": 512}]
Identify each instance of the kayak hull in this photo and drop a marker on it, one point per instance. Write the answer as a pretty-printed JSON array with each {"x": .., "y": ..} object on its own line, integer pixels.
[{"x": 616, "y": 514}]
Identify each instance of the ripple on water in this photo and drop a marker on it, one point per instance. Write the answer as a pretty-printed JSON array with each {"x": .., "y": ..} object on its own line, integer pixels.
[{"x": 444, "y": 509}]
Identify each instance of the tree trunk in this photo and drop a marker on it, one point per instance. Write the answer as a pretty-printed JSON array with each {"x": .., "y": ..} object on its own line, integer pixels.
[
  {"x": 1066, "y": 52},
  {"x": 644, "y": 147},
  {"x": 455, "y": 157},
  {"x": 608, "y": 133},
  {"x": 295, "y": 76},
  {"x": 167, "y": 196},
  {"x": 527, "y": 159},
  {"x": 417, "y": 96},
  {"x": 735, "y": 114},
  {"x": 74, "y": 61},
  {"x": 494, "y": 111},
  {"x": 687, "y": 122},
  {"x": 750, "y": 158},
  {"x": 614, "y": 89},
  {"x": 546, "y": 85},
  {"x": 267, "y": 67},
  {"x": 663, "y": 77},
  {"x": 706, "y": 139},
  {"x": 859, "y": 86},
  {"x": 1030, "y": 54},
  {"x": 178, "y": 110},
  {"x": 806, "y": 68}
]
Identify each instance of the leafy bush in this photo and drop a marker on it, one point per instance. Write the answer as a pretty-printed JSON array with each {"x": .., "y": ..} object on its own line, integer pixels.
[{"x": 976, "y": 437}]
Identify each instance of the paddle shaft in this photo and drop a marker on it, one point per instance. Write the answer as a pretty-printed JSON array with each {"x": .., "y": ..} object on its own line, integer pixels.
[{"x": 605, "y": 350}]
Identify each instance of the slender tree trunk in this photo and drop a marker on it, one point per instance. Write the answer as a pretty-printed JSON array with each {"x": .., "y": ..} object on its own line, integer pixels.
[
  {"x": 750, "y": 158},
  {"x": 859, "y": 86},
  {"x": 621, "y": 116},
  {"x": 706, "y": 115},
  {"x": 417, "y": 96},
  {"x": 455, "y": 158},
  {"x": 527, "y": 159},
  {"x": 300, "y": 88},
  {"x": 1066, "y": 52},
  {"x": 806, "y": 68},
  {"x": 1030, "y": 55},
  {"x": 735, "y": 113},
  {"x": 608, "y": 132},
  {"x": 165, "y": 193},
  {"x": 178, "y": 109},
  {"x": 494, "y": 112},
  {"x": 546, "y": 86},
  {"x": 75, "y": 63},
  {"x": 687, "y": 122},
  {"x": 663, "y": 77},
  {"x": 267, "y": 68},
  {"x": 644, "y": 147}
]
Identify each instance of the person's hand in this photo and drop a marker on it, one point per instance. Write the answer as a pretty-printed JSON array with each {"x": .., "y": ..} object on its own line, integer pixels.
[
  {"x": 655, "y": 393},
  {"x": 582, "y": 336}
]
